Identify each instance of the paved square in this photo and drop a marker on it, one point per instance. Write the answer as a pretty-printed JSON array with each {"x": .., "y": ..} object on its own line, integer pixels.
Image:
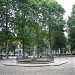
[{"x": 65, "y": 69}]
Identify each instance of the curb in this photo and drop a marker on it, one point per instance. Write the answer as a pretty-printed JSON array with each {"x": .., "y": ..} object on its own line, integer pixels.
[{"x": 34, "y": 65}]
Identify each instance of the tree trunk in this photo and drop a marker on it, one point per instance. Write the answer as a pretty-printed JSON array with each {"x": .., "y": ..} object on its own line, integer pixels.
[
  {"x": 7, "y": 32},
  {"x": 37, "y": 40},
  {"x": 49, "y": 34},
  {"x": 1, "y": 54},
  {"x": 23, "y": 47},
  {"x": 22, "y": 39},
  {"x": 14, "y": 52},
  {"x": 7, "y": 53}
]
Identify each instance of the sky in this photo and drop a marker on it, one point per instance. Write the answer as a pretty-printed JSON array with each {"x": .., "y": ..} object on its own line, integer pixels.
[{"x": 67, "y": 5}]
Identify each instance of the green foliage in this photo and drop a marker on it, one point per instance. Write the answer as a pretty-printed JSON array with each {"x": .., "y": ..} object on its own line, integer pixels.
[
  {"x": 26, "y": 22},
  {"x": 71, "y": 26},
  {"x": 59, "y": 40}
]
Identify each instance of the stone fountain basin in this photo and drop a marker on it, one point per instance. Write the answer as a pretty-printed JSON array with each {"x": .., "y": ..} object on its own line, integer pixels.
[{"x": 42, "y": 60}]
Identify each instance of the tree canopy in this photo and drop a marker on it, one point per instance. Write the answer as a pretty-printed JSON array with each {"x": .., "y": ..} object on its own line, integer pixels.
[
  {"x": 71, "y": 26},
  {"x": 32, "y": 22}
]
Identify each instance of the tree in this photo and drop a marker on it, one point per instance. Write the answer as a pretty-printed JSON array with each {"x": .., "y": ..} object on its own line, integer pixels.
[
  {"x": 71, "y": 26},
  {"x": 21, "y": 22},
  {"x": 53, "y": 19},
  {"x": 7, "y": 14},
  {"x": 32, "y": 24},
  {"x": 59, "y": 41}
]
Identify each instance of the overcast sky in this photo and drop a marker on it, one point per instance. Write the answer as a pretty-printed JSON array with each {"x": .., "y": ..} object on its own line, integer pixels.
[{"x": 67, "y": 4}]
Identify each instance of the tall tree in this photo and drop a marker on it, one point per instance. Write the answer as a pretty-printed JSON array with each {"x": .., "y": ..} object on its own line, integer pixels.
[
  {"x": 71, "y": 27},
  {"x": 53, "y": 18},
  {"x": 7, "y": 14},
  {"x": 22, "y": 16}
]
